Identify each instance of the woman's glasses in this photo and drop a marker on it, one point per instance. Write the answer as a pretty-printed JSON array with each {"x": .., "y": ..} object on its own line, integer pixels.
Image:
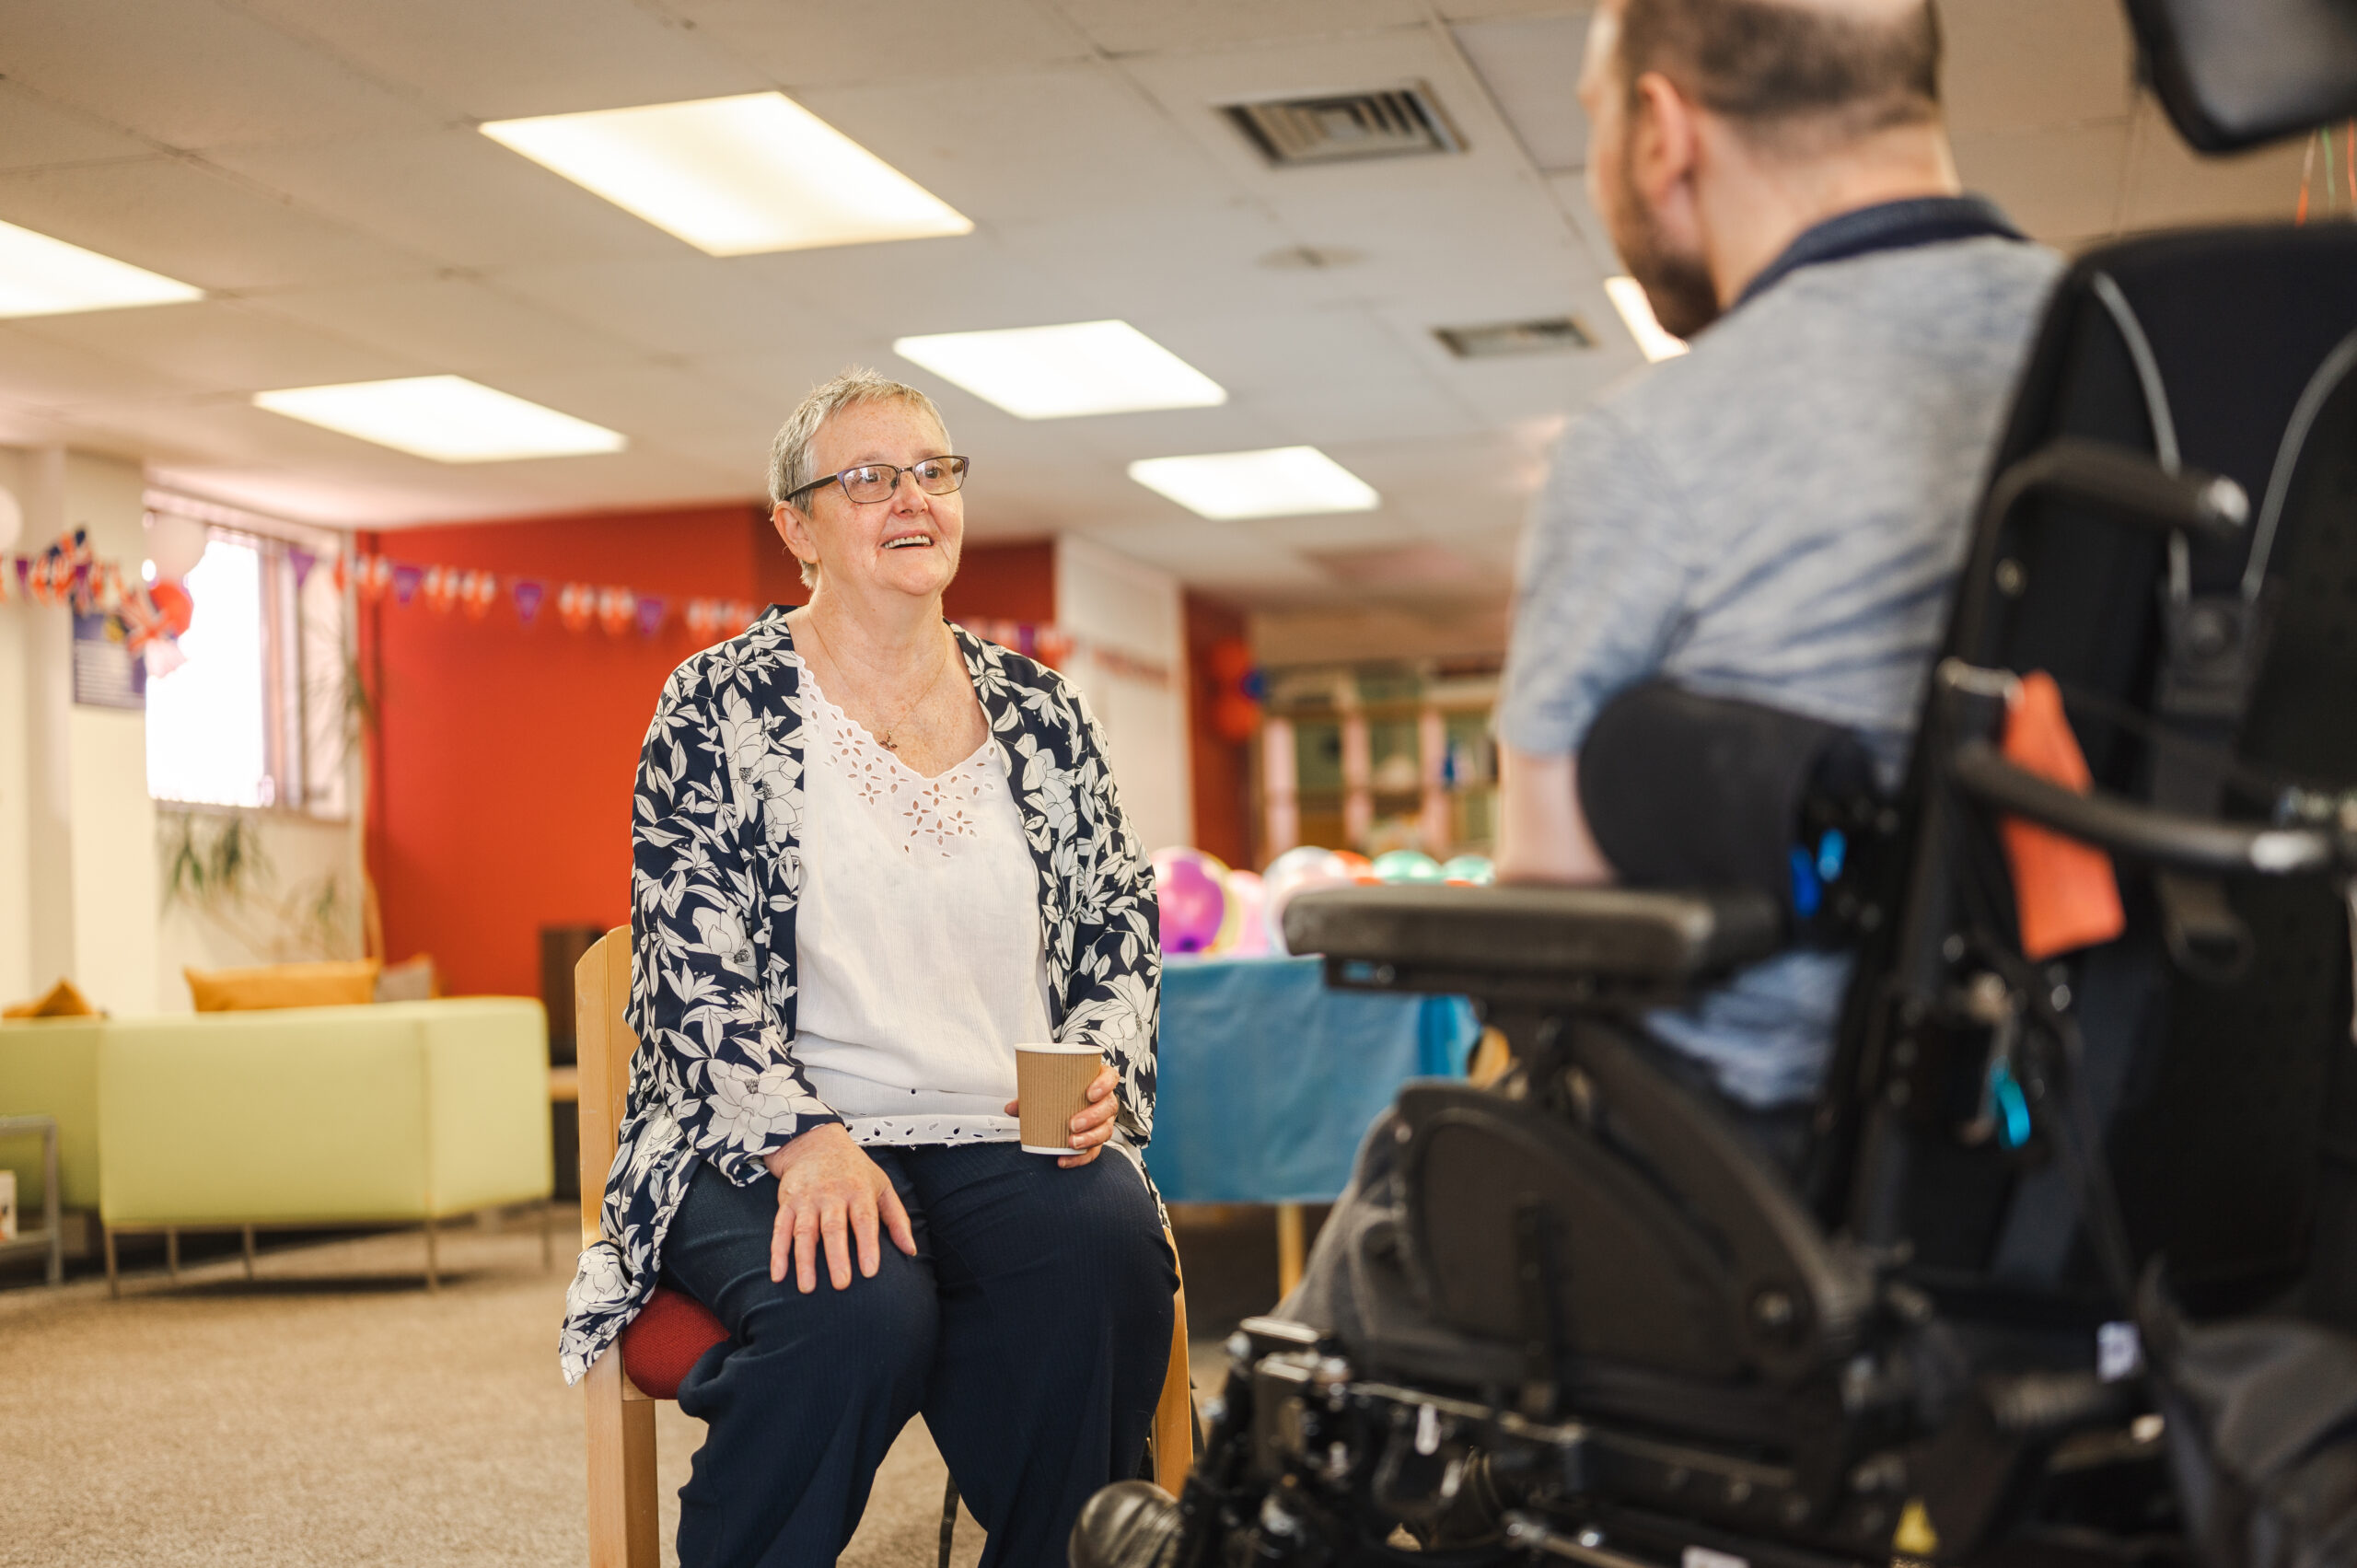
[{"x": 877, "y": 481}]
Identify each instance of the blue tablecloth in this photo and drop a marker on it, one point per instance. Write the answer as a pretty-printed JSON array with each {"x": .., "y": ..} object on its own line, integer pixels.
[{"x": 1266, "y": 1080}]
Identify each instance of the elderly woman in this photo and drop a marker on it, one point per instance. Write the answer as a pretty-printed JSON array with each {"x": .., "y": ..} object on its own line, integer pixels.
[{"x": 872, "y": 853}]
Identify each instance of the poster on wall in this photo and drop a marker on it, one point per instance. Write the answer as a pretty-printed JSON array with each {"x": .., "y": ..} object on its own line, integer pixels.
[{"x": 107, "y": 674}]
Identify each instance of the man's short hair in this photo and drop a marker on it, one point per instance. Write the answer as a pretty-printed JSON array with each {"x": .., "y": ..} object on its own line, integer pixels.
[{"x": 1782, "y": 69}]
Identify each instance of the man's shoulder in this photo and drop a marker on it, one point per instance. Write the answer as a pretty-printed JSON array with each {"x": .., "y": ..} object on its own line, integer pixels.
[{"x": 1973, "y": 301}]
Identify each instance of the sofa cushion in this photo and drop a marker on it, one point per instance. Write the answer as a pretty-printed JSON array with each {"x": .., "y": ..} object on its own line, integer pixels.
[
  {"x": 284, "y": 985},
  {"x": 64, "y": 1000},
  {"x": 659, "y": 1345}
]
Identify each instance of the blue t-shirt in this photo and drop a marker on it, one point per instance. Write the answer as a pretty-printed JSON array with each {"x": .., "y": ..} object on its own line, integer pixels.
[{"x": 1778, "y": 516}]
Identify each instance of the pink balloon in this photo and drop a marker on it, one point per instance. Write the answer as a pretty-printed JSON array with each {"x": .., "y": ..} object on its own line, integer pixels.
[
  {"x": 1297, "y": 871},
  {"x": 1190, "y": 889},
  {"x": 1250, "y": 933}
]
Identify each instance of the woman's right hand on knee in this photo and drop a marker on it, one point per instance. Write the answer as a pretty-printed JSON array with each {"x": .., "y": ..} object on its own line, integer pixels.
[{"x": 830, "y": 1193}]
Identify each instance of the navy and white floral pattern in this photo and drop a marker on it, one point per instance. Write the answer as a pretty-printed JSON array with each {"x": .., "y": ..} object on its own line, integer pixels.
[{"x": 714, "y": 878}]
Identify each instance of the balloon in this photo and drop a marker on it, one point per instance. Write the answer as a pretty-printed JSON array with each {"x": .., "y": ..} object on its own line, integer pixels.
[
  {"x": 175, "y": 544},
  {"x": 1236, "y": 717},
  {"x": 1246, "y": 934},
  {"x": 1473, "y": 868},
  {"x": 1406, "y": 866},
  {"x": 173, "y": 603},
  {"x": 1356, "y": 867},
  {"x": 1231, "y": 660},
  {"x": 1189, "y": 887},
  {"x": 1295, "y": 871},
  {"x": 12, "y": 519}
]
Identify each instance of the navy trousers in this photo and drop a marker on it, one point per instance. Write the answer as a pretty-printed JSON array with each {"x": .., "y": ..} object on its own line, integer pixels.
[{"x": 1031, "y": 1330}]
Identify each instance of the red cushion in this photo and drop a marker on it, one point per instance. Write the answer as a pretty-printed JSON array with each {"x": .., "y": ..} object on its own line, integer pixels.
[{"x": 663, "y": 1342}]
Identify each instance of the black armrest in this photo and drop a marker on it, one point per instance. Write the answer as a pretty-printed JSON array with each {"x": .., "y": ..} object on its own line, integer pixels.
[
  {"x": 2170, "y": 838},
  {"x": 1540, "y": 942}
]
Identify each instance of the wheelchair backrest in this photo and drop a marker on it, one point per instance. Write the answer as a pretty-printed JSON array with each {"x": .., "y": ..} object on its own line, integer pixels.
[{"x": 2228, "y": 1084}]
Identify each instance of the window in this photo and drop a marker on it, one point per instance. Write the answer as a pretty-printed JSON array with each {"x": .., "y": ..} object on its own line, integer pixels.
[{"x": 254, "y": 713}]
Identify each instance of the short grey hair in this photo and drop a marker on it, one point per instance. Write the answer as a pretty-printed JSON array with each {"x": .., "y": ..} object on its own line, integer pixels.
[{"x": 790, "y": 463}]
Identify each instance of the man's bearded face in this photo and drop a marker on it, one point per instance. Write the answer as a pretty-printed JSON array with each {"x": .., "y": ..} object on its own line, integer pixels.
[{"x": 1677, "y": 282}]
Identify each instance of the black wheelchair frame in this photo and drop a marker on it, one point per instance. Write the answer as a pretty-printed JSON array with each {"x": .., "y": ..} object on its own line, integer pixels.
[{"x": 1647, "y": 1346}]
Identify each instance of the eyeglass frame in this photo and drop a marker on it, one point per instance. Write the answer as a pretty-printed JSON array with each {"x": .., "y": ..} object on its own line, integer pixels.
[{"x": 966, "y": 466}]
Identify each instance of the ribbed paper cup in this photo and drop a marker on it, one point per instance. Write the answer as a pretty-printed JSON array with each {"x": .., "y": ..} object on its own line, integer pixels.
[{"x": 1052, "y": 1082}]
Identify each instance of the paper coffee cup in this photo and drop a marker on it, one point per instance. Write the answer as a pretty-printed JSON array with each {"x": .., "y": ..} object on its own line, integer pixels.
[{"x": 1051, "y": 1082}]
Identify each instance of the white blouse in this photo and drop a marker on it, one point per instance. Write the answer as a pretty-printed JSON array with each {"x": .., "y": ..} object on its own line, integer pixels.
[{"x": 918, "y": 938}]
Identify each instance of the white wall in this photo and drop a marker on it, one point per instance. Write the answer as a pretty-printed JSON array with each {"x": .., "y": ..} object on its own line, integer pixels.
[
  {"x": 80, "y": 876},
  {"x": 16, "y": 765},
  {"x": 1130, "y": 626}
]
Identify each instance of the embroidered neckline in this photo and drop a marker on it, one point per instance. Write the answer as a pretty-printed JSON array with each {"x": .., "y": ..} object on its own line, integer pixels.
[{"x": 930, "y": 819}]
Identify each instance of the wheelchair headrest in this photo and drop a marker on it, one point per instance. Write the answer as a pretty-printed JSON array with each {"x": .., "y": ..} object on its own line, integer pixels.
[{"x": 2233, "y": 73}]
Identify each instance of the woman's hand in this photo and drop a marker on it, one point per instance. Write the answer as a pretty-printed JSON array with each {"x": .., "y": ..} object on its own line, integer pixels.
[
  {"x": 1094, "y": 1125},
  {"x": 829, "y": 1191}
]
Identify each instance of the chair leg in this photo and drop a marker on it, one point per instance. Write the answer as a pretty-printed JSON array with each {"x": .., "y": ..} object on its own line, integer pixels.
[
  {"x": 1289, "y": 1249},
  {"x": 172, "y": 1251},
  {"x": 249, "y": 1239},
  {"x": 623, "y": 1518},
  {"x": 948, "y": 1519},
  {"x": 1175, "y": 1430},
  {"x": 432, "y": 1259},
  {"x": 114, "y": 1279}
]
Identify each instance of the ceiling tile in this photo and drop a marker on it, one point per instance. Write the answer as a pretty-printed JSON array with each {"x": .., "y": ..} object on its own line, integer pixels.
[
  {"x": 2057, "y": 184},
  {"x": 689, "y": 305},
  {"x": 805, "y": 43},
  {"x": 193, "y": 223},
  {"x": 194, "y": 73},
  {"x": 1042, "y": 145},
  {"x": 656, "y": 403},
  {"x": 223, "y": 345},
  {"x": 519, "y": 57},
  {"x": 33, "y": 134},
  {"x": 922, "y": 286},
  {"x": 2169, "y": 185},
  {"x": 456, "y": 324},
  {"x": 2027, "y": 64},
  {"x": 1531, "y": 65},
  {"x": 44, "y": 373},
  {"x": 455, "y": 195},
  {"x": 1130, "y": 26}
]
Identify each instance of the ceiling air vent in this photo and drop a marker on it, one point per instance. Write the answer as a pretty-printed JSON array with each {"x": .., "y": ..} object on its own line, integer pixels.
[
  {"x": 1337, "y": 127},
  {"x": 1546, "y": 336}
]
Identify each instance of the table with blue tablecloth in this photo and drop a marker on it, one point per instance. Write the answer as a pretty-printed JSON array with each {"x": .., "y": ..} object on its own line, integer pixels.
[{"x": 1266, "y": 1080}]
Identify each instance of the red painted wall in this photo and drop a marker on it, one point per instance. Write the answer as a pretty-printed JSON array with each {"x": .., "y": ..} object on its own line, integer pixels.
[
  {"x": 1221, "y": 768},
  {"x": 500, "y": 762}
]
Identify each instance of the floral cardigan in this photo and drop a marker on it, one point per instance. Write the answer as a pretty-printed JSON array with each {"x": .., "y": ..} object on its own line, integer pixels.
[{"x": 715, "y": 872}]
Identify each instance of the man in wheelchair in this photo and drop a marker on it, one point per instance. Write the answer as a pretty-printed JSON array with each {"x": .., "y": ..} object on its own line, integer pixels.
[{"x": 1942, "y": 1142}]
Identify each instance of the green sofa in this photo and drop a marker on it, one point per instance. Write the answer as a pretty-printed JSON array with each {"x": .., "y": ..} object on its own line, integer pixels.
[{"x": 403, "y": 1112}]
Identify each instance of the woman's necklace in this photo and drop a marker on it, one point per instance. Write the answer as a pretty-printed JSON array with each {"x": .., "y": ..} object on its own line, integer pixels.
[{"x": 885, "y": 739}]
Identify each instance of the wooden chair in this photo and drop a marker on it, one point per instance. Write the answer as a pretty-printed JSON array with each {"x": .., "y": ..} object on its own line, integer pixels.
[{"x": 665, "y": 1339}]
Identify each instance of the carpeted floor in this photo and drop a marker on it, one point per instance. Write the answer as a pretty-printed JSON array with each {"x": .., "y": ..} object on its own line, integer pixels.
[{"x": 333, "y": 1412}]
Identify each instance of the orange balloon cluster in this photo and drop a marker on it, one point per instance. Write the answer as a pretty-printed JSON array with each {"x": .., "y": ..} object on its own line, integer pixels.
[{"x": 1236, "y": 699}]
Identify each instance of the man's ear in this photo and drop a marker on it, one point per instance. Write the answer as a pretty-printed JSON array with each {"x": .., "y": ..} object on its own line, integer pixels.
[
  {"x": 794, "y": 529},
  {"x": 1664, "y": 139}
]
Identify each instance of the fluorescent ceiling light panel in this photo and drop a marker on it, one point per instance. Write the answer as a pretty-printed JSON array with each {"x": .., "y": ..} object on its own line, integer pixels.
[
  {"x": 1281, "y": 482},
  {"x": 734, "y": 176},
  {"x": 1057, "y": 371},
  {"x": 1627, "y": 296},
  {"x": 41, "y": 276},
  {"x": 446, "y": 418}
]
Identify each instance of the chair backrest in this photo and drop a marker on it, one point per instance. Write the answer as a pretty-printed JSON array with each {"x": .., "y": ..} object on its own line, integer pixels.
[
  {"x": 2229, "y": 351},
  {"x": 604, "y": 1041}
]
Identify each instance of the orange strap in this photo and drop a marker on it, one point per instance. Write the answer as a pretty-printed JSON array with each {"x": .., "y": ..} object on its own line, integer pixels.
[{"x": 2065, "y": 895}]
